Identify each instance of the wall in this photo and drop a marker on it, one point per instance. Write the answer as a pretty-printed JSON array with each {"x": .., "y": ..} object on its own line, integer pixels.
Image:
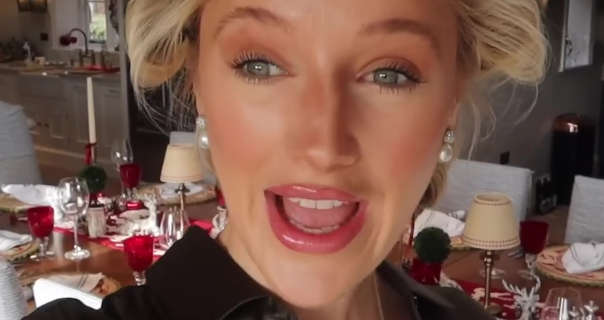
[
  {"x": 529, "y": 142},
  {"x": 9, "y": 20},
  {"x": 29, "y": 25},
  {"x": 24, "y": 25},
  {"x": 601, "y": 135}
]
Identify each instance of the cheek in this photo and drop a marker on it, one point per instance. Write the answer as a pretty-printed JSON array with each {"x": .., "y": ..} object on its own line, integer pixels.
[
  {"x": 241, "y": 131},
  {"x": 409, "y": 142}
]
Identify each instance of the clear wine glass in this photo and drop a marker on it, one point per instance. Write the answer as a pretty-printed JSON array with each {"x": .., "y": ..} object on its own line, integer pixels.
[
  {"x": 174, "y": 224},
  {"x": 73, "y": 200},
  {"x": 121, "y": 152},
  {"x": 561, "y": 303}
]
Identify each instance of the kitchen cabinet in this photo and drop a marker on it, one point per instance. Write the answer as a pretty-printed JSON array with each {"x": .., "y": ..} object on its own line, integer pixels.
[
  {"x": 8, "y": 88},
  {"x": 110, "y": 116},
  {"x": 78, "y": 114},
  {"x": 58, "y": 107}
]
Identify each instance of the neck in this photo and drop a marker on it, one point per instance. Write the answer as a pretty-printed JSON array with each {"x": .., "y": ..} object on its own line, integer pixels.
[{"x": 360, "y": 303}]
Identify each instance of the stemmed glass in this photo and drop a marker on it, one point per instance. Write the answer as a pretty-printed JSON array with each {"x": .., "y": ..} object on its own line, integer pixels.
[
  {"x": 174, "y": 223},
  {"x": 139, "y": 251},
  {"x": 533, "y": 239},
  {"x": 130, "y": 174},
  {"x": 41, "y": 222},
  {"x": 73, "y": 199},
  {"x": 121, "y": 153},
  {"x": 561, "y": 303}
]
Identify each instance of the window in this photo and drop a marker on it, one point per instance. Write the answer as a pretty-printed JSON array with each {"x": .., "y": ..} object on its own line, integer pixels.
[
  {"x": 92, "y": 16},
  {"x": 97, "y": 21}
]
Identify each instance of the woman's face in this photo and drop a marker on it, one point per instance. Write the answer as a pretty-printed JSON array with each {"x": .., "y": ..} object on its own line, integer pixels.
[{"x": 325, "y": 120}]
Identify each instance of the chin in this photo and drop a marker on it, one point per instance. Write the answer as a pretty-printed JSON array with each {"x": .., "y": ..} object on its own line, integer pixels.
[
  {"x": 311, "y": 282},
  {"x": 314, "y": 280}
]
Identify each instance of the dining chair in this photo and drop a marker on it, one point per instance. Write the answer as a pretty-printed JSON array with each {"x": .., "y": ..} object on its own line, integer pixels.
[
  {"x": 18, "y": 162},
  {"x": 466, "y": 178},
  {"x": 46, "y": 290},
  {"x": 585, "y": 221}
]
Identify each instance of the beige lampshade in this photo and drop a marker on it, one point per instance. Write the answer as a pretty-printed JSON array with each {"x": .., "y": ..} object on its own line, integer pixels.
[
  {"x": 491, "y": 223},
  {"x": 181, "y": 164}
]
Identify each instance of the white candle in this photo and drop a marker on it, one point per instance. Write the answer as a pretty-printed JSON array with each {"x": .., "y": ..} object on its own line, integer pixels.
[{"x": 91, "y": 118}]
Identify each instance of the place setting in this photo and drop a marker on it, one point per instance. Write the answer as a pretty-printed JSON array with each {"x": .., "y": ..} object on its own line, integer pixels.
[
  {"x": 490, "y": 227},
  {"x": 142, "y": 221}
]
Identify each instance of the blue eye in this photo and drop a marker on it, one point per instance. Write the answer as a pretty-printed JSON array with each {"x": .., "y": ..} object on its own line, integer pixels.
[
  {"x": 389, "y": 77},
  {"x": 261, "y": 69},
  {"x": 256, "y": 67},
  {"x": 393, "y": 77}
]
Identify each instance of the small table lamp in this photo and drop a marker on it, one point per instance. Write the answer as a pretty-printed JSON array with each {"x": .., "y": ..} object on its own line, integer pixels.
[
  {"x": 182, "y": 164},
  {"x": 491, "y": 225}
]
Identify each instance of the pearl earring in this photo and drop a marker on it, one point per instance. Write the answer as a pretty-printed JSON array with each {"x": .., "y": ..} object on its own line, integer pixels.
[
  {"x": 446, "y": 152},
  {"x": 202, "y": 134}
]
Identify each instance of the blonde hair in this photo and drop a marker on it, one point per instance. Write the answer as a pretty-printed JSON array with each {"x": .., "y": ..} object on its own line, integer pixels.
[{"x": 499, "y": 39}]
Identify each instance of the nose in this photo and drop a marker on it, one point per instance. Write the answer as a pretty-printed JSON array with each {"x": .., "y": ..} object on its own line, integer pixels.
[{"x": 324, "y": 139}]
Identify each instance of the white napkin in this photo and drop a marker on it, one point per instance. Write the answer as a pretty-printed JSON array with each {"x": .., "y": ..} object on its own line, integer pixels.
[
  {"x": 47, "y": 290},
  {"x": 84, "y": 281},
  {"x": 9, "y": 240},
  {"x": 12, "y": 301},
  {"x": 584, "y": 258},
  {"x": 36, "y": 194},
  {"x": 168, "y": 190},
  {"x": 433, "y": 218}
]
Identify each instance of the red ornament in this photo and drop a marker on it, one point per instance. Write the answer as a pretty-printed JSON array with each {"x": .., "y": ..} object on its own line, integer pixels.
[{"x": 426, "y": 273}]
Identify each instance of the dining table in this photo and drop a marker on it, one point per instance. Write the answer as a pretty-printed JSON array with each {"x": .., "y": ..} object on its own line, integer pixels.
[
  {"x": 461, "y": 264},
  {"x": 466, "y": 264}
]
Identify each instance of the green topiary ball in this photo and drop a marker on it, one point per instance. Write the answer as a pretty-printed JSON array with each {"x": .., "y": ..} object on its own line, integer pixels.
[
  {"x": 432, "y": 245},
  {"x": 95, "y": 177}
]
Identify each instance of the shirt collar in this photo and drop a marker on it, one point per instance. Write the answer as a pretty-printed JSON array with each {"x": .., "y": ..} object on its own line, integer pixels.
[
  {"x": 198, "y": 277},
  {"x": 410, "y": 290}
]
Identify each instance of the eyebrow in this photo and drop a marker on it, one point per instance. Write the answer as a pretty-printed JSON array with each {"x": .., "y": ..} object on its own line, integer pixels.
[
  {"x": 255, "y": 13},
  {"x": 396, "y": 25}
]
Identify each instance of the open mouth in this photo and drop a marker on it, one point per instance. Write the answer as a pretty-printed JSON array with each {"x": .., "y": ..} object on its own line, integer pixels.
[
  {"x": 314, "y": 219},
  {"x": 316, "y": 216}
]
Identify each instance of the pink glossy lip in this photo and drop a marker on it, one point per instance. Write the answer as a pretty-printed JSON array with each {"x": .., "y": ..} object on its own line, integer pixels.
[{"x": 298, "y": 240}]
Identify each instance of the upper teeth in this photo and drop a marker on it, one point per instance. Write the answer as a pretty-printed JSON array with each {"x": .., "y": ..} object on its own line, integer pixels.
[{"x": 317, "y": 204}]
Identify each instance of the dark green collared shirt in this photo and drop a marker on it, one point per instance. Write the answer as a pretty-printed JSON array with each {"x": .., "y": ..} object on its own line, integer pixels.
[{"x": 197, "y": 279}]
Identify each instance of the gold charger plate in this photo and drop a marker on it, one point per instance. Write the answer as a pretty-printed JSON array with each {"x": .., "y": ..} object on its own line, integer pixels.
[
  {"x": 21, "y": 252},
  {"x": 104, "y": 287},
  {"x": 549, "y": 264},
  {"x": 10, "y": 204},
  {"x": 199, "y": 197},
  {"x": 458, "y": 244}
]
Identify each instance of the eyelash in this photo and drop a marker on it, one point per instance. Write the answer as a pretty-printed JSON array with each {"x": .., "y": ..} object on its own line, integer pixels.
[
  {"x": 245, "y": 57},
  {"x": 403, "y": 69}
]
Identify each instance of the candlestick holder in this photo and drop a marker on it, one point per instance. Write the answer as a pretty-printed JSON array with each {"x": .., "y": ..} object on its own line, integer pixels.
[
  {"x": 90, "y": 154},
  {"x": 491, "y": 226}
]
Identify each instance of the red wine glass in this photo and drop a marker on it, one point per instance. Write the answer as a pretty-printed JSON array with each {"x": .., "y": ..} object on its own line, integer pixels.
[
  {"x": 139, "y": 251},
  {"x": 41, "y": 222},
  {"x": 131, "y": 176},
  {"x": 533, "y": 239}
]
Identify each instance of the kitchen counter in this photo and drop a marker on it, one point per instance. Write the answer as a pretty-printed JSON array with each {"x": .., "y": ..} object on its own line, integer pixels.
[
  {"x": 53, "y": 71},
  {"x": 56, "y": 100}
]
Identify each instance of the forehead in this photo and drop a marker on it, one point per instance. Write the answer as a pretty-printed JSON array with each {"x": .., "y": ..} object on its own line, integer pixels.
[{"x": 434, "y": 19}]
